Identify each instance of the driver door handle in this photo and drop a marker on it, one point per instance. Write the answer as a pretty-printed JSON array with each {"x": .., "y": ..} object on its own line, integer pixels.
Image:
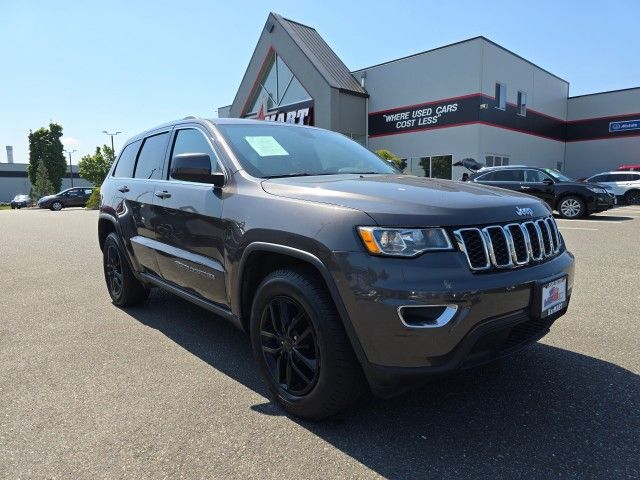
[
  {"x": 524, "y": 187},
  {"x": 163, "y": 194},
  {"x": 123, "y": 189}
]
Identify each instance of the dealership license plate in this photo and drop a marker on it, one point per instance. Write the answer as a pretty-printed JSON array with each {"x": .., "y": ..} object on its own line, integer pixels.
[{"x": 554, "y": 296}]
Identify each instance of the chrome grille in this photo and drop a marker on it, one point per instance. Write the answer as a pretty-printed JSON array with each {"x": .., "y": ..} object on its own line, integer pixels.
[{"x": 509, "y": 246}]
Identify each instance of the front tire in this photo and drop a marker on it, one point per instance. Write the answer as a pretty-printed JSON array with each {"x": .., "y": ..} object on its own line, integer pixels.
[
  {"x": 632, "y": 197},
  {"x": 56, "y": 206},
  {"x": 301, "y": 347},
  {"x": 571, "y": 207},
  {"x": 124, "y": 288}
]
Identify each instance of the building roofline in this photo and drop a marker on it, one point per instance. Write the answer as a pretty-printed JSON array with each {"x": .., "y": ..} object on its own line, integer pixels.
[
  {"x": 293, "y": 21},
  {"x": 606, "y": 91},
  {"x": 479, "y": 37}
]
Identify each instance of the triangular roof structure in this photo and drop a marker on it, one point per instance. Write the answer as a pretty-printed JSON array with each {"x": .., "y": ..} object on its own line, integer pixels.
[
  {"x": 334, "y": 71},
  {"x": 313, "y": 63}
]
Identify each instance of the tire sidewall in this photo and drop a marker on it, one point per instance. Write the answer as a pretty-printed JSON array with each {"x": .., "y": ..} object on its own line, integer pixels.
[
  {"x": 272, "y": 287},
  {"x": 112, "y": 240},
  {"x": 572, "y": 197},
  {"x": 56, "y": 209}
]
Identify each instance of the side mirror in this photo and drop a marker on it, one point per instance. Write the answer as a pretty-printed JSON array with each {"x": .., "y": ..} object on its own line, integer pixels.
[
  {"x": 195, "y": 167},
  {"x": 547, "y": 181}
]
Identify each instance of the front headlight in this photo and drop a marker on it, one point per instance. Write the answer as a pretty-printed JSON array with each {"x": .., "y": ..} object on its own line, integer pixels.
[
  {"x": 597, "y": 189},
  {"x": 403, "y": 242}
]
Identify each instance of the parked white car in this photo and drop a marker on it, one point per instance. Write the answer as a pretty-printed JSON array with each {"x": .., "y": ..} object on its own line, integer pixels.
[{"x": 623, "y": 184}]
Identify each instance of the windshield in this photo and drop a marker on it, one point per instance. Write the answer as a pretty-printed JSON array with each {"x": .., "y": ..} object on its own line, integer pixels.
[
  {"x": 556, "y": 175},
  {"x": 269, "y": 150}
]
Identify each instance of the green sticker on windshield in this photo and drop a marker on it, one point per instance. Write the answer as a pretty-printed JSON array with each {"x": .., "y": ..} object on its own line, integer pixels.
[{"x": 266, "y": 146}]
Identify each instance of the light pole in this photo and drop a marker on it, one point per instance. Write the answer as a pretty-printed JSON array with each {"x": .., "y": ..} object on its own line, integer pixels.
[
  {"x": 70, "y": 164},
  {"x": 111, "y": 135}
]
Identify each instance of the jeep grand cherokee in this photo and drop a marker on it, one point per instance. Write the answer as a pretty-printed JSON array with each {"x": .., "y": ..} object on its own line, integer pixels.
[{"x": 346, "y": 274}]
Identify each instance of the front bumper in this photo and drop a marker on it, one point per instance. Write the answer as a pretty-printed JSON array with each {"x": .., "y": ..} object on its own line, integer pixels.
[
  {"x": 495, "y": 312},
  {"x": 600, "y": 202}
]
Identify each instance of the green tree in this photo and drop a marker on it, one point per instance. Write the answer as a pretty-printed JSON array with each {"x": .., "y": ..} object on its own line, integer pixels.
[
  {"x": 95, "y": 167},
  {"x": 425, "y": 163},
  {"x": 401, "y": 163},
  {"x": 42, "y": 185},
  {"x": 45, "y": 146}
]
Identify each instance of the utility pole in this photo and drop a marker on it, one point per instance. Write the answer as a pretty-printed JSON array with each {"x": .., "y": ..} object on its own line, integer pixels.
[
  {"x": 70, "y": 164},
  {"x": 111, "y": 135}
]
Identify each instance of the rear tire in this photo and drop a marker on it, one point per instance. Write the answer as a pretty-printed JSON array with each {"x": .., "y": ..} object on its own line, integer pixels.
[
  {"x": 571, "y": 207},
  {"x": 124, "y": 288},
  {"x": 301, "y": 347},
  {"x": 632, "y": 197}
]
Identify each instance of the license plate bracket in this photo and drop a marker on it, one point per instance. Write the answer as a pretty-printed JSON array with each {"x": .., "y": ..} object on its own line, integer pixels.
[{"x": 550, "y": 297}]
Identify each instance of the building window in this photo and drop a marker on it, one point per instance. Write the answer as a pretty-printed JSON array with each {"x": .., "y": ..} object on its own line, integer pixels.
[
  {"x": 495, "y": 161},
  {"x": 522, "y": 104},
  {"x": 501, "y": 96},
  {"x": 277, "y": 87}
]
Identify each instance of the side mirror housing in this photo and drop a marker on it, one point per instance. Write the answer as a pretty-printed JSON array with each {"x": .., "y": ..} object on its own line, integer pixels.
[{"x": 195, "y": 167}]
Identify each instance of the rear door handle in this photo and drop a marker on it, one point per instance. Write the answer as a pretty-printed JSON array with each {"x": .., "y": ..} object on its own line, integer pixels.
[
  {"x": 124, "y": 189},
  {"x": 164, "y": 194}
]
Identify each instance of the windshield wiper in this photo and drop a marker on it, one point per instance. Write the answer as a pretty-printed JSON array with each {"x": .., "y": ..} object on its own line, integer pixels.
[{"x": 298, "y": 174}]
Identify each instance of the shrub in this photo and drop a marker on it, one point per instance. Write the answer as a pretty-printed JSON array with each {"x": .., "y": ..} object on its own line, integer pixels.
[
  {"x": 94, "y": 200},
  {"x": 392, "y": 158}
]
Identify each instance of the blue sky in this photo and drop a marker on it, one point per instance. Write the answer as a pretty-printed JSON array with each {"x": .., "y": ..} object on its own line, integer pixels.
[{"x": 130, "y": 65}]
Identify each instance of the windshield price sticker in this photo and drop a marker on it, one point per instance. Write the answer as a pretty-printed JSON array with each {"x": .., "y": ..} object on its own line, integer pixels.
[{"x": 266, "y": 146}]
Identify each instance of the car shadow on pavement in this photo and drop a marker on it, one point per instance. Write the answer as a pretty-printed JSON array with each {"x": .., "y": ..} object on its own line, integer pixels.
[{"x": 544, "y": 412}]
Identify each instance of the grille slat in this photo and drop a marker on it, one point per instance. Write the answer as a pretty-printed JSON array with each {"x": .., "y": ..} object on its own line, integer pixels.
[{"x": 509, "y": 246}]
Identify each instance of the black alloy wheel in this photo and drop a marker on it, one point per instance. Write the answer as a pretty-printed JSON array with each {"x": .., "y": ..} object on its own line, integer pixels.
[
  {"x": 113, "y": 271},
  {"x": 289, "y": 346},
  {"x": 301, "y": 347},
  {"x": 632, "y": 197},
  {"x": 123, "y": 286}
]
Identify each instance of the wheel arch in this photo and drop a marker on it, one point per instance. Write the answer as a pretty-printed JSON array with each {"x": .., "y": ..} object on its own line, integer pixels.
[
  {"x": 106, "y": 225},
  {"x": 261, "y": 258}
]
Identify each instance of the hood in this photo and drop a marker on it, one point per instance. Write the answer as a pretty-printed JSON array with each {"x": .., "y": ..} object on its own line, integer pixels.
[
  {"x": 403, "y": 200},
  {"x": 46, "y": 197}
]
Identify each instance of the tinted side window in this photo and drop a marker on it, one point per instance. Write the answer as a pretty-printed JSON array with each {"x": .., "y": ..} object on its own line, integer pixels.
[
  {"x": 127, "y": 160},
  {"x": 627, "y": 177},
  {"x": 487, "y": 177},
  {"x": 598, "y": 178},
  {"x": 151, "y": 156},
  {"x": 635, "y": 177},
  {"x": 508, "y": 176},
  {"x": 534, "y": 176},
  {"x": 190, "y": 140}
]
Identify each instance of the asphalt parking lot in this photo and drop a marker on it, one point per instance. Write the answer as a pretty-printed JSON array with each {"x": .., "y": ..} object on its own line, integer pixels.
[{"x": 167, "y": 390}]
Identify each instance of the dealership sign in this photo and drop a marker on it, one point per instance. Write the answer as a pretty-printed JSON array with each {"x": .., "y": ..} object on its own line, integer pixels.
[
  {"x": 300, "y": 113},
  {"x": 424, "y": 116},
  {"x": 624, "y": 126}
]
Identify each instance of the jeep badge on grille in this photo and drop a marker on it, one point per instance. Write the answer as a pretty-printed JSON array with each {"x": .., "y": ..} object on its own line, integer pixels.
[{"x": 522, "y": 211}]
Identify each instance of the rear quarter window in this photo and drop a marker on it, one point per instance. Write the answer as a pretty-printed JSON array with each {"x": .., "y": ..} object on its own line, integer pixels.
[
  {"x": 151, "y": 157},
  {"x": 127, "y": 160}
]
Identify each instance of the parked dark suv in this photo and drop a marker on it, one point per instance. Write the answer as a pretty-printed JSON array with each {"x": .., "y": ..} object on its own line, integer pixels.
[
  {"x": 571, "y": 199},
  {"x": 346, "y": 274},
  {"x": 72, "y": 197}
]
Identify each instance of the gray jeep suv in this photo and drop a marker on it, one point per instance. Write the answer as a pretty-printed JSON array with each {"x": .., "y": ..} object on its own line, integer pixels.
[{"x": 346, "y": 274}]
